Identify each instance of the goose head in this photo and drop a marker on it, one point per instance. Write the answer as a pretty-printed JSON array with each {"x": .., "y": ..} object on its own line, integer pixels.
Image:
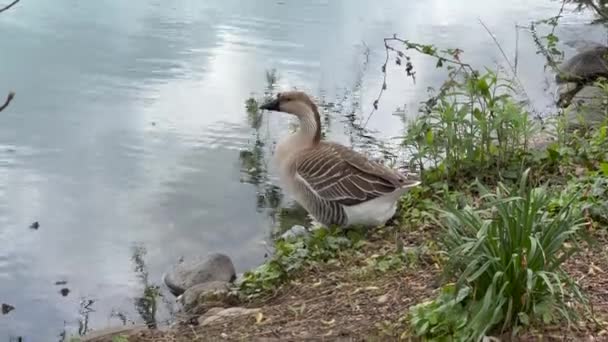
[
  {"x": 292, "y": 102},
  {"x": 299, "y": 104}
]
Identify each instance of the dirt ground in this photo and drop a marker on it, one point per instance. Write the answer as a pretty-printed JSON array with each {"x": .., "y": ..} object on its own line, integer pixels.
[{"x": 339, "y": 302}]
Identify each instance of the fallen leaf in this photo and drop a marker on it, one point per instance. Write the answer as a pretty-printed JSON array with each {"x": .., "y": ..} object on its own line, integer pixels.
[
  {"x": 328, "y": 322},
  {"x": 259, "y": 317}
]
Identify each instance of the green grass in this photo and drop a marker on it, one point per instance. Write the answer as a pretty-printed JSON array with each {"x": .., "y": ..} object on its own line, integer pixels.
[
  {"x": 292, "y": 255},
  {"x": 507, "y": 257}
]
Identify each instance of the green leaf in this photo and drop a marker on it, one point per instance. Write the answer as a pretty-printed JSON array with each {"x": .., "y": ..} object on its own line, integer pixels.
[
  {"x": 483, "y": 87},
  {"x": 429, "y": 137},
  {"x": 463, "y": 293},
  {"x": 553, "y": 154},
  {"x": 523, "y": 318},
  {"x": 604, "y": 168}
]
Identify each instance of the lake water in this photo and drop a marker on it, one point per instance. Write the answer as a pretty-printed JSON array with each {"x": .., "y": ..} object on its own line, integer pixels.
[{"x": 129, "y": 141}]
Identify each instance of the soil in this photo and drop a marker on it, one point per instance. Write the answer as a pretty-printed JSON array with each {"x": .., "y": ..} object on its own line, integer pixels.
[{"x": 340, "y": 301}]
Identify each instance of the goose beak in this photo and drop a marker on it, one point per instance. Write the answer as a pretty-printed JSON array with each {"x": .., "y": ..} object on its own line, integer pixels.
[{"x": 272, "y": 105}]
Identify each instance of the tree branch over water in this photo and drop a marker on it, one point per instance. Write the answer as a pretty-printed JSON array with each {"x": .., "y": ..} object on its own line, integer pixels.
[
  {"x": 10, "y": 95},
  {"x": 448, "y": 56},
  {"x": 8, "y": 100},
  {"x": 601, "y": 12},
  {"x": 9, "y": 6}
]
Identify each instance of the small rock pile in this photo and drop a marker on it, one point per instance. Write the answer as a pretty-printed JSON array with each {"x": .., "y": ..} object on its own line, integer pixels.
[{"x": 202, "y": 283}]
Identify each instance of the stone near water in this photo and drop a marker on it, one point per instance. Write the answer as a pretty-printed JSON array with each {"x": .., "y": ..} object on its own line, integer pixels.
[
  {"x": 588, "y": 107},
  {"x": 216, "y": 315},
  {"x": 112, "y": 334},
  {"x": 294, "y": 232},
  {"x": 213, "y": 293},
  {"x": 585, "y": 103},
  {"x": 213, "y": 267}
]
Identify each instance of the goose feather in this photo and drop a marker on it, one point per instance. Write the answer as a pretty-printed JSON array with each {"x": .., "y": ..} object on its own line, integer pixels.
[{"x": 338, "y": 174}]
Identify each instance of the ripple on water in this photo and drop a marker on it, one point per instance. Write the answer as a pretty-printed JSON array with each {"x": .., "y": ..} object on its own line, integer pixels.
[{"x": 221, "y": 135}]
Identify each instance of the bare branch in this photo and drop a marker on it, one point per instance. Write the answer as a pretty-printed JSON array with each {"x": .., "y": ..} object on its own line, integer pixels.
[
  {"x": 9, "y": 6},
  {"x": 10, "y": 95},
  {"x": 597, "y": 9},
  {"x": 445, "y": 57},
  {"x": 8, "y": 100}
]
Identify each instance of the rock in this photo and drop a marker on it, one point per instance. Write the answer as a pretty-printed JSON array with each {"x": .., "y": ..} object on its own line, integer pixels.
[
  {"x": 579, "y": 71},
  {"x": 35, "y": 225},
  {"x": 216, "y": 315},
  {"x": 542, "y": 140},
  {"x": 295, "y": 231},
  {"x": 200, "y": 297},
  {"x": 214, "y": 267},
  {"x": 382, "y": 299},
  {"x": 587, "y": 108},
  {"x": 110, "y": 334}
]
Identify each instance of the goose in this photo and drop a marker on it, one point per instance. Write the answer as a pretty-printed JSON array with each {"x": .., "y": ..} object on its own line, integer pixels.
[{"x": 335, "y": 184}]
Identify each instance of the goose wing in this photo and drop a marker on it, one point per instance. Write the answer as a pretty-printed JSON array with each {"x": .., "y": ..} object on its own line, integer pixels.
[{"x": 337, "y": 173}]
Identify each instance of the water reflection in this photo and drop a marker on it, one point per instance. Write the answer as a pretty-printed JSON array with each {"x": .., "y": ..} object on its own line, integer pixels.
[{"x": 81, "y": 155}]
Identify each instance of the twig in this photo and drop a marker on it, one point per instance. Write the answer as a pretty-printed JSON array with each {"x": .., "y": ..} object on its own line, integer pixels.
[
  {"x": 9, "y": 6},
  {"x": 409, "y": 46},
  {"x": 383, "y": 88},
  {"x": 10, "y": 95},
  {"x": 504, "y": 55},
  {"x": 8, "y": 100},
  {"x": 516, "y": 48},
  {"x": 597, "y": 9}
]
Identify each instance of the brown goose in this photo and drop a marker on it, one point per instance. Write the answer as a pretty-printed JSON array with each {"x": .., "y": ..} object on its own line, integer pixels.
[{"x": 335, "y": 184}]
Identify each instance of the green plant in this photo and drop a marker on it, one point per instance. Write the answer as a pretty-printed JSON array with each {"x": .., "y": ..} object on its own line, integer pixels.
[
  {"x": 444, "y": 318},
  {"x": 120, "y": 338},
  {"x": 292, "y": 255},
  {"x": 510, "y": 252},
  {"x": 474, "y": 125},
  {"x": 587, "y": 148},
  {"x": 591, "y": 193}
]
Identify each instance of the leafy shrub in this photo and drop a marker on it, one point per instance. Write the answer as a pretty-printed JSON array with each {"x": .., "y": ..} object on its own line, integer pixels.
[
  {"x": 509, "y": 252},
  {"x": 473, "y": 125},
  {"x": 292, "y": 255},
  {"x": 444, "y": 318},
  {"x": 592, "y": 199}
]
